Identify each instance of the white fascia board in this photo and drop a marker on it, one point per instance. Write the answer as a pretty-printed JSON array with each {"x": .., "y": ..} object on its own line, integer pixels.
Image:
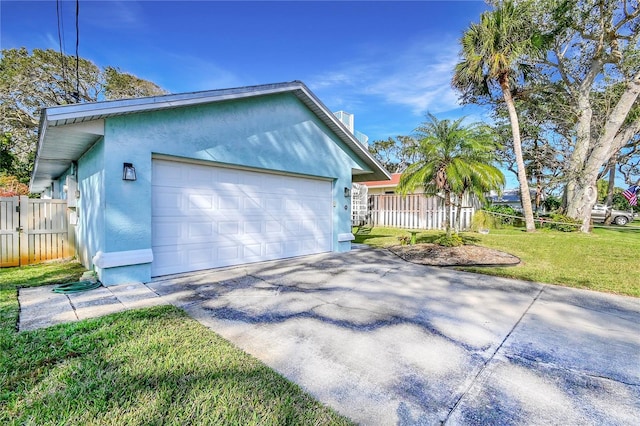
[
  {"x": 103, "y": 109},
  {"x": 41, "y": 131}
]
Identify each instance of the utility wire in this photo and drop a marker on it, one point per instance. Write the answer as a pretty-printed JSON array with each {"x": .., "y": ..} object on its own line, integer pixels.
[
  {"x": 61, "y": 46},
  {"x": 77, "y": 93}
]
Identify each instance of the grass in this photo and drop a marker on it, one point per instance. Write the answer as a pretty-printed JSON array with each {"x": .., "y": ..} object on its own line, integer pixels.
[
  {"x": 148, "y": 366},
  {"x": 606, "y": 260}
]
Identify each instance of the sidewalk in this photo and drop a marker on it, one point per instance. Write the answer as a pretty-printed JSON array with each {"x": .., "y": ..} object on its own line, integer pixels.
[{"x": 41, "y": 307}]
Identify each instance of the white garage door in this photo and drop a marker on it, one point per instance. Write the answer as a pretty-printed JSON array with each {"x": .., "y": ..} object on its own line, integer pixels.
[{"x": 208, "y": 217}]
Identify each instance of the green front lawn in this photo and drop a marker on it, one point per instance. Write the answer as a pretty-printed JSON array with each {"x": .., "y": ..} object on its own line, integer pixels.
[
  {"x": 147, "y": 366},
  {"x": 607, "y": 260}
]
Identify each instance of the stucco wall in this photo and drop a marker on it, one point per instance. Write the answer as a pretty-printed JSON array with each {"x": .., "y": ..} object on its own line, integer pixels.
[
  {"x": 90, "y": 228},
  {"x": 275, "y": 132}
]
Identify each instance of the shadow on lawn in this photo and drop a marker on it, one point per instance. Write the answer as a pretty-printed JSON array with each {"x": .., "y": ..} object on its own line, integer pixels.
[{"x": 117, "y": 361}]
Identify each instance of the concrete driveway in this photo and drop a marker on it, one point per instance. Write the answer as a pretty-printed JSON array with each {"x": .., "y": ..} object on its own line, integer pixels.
[{"x": 387, "y": 342}]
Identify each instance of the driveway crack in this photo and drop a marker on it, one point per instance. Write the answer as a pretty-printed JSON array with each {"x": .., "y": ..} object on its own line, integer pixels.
[
  {"x": 486, "y": 363},
  {"x": 550, "y": 365},
  {"x": 73, "y": 307}
]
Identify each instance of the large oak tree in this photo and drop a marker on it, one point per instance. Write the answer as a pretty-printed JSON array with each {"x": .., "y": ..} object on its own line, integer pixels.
[
  {"x": 43, "y": 78},
  {"x": 594, "y": 47}
]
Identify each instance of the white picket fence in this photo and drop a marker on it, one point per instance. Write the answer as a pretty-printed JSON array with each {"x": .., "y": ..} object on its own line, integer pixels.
[{"x": 415, "y": 212}]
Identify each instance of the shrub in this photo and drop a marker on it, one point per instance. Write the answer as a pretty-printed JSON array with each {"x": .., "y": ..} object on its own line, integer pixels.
[
  {"x": 563, "y": 223},
  {"x": 506, "y": 210},
  {"x": 404, "y": 240},
  {"x": 552, "y": 203},
  {"x": 484, "y": 220},
  {"x": 453, "y": 241}
]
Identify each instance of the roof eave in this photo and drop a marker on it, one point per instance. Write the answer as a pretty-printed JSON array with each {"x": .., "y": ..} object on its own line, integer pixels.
[{"x": 68, "y": 114}]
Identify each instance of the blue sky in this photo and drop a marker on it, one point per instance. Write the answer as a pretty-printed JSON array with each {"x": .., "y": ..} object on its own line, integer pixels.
[{"x": 387, "y": 62}]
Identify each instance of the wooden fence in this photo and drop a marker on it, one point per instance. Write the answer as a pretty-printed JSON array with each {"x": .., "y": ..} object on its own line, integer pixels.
[
  {"x": 33, "y": 230},
  {"x": 414, "y": 212}
]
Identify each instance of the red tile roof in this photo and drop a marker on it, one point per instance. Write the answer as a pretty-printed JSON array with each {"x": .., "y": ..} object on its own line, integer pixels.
[{"x": 395, "y": 179}]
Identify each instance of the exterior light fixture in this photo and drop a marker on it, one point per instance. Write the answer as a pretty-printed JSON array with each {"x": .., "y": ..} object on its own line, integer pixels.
[
  {"x": 347, "y": 192},
  {"x": 128, "y": 172}
]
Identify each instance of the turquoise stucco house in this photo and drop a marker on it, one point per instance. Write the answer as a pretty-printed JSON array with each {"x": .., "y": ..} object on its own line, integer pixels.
[{"x": 184, "y": 182}]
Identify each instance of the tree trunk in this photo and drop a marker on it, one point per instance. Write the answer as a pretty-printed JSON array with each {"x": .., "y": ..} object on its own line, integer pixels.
[
  {"x": 459, "y": 213},
  {"x": 612, "y": 184},
  {"x": 525, "y": 195},
  {"x": 589, "y": 157},
  {"x": 447, "y": 212}
]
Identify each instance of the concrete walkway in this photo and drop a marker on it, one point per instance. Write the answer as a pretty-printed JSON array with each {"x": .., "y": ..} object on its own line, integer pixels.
[
  {"x": 387, "y": 342},
  {"x": 40, "y": 307}
]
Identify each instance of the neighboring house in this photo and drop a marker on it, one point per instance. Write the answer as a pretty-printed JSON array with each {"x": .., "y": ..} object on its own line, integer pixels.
[
  {"x": 184, "y": 182},
  {"x": 512, "y": 198},
  {"x": 377, "y": 187},
  {"x": 382, "y": 205}
]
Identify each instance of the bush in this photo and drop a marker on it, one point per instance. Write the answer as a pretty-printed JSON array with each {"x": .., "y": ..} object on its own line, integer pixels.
[
  {"x": 506, "y": 210},
  {"x": 563, "y": 223},
  {"x": 453, "y": 241},
  {"x": 552, "y": 203},
  {"x": 404, "y": 240},
  {"x": 484, "y": 220}
]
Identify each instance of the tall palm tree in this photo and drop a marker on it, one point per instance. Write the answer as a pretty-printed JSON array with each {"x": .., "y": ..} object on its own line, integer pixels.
[
  {"x": 453, "y": 159},
  {"x": 494, "y": 50}
]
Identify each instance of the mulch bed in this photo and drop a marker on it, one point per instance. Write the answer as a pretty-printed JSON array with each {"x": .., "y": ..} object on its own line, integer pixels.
[{"x": 466, "y": 255}]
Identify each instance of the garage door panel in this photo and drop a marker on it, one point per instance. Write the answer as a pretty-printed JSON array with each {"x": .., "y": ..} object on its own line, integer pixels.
[
  {"x": 274, "y": 250},
  {"x": 201, "y": 255},
  {"x": 198, "y": 202},
  {"x": 200, "y": 231},
  {"x": 167, "y": 174},
  {"x": 168, "y": 231},
  {"x": 229, "y": 253},
  {"x": 253, "y": 204},
  {"x": 252, "y": 250},
  {"x": 273, "y": 226},
  {"x": 228, "y": 202},
  {"x": 228, "y": 227},
  {"x": 207, "y": 217},
  {"x": 166, "y": 201}
]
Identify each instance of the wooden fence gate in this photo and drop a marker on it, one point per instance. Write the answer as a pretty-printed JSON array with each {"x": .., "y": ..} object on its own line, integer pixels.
[{"x": 33, "y": 230}]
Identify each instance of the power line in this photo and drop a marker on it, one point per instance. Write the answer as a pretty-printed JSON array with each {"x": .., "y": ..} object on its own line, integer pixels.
[
  {"x": 77, "y": 93},
  {"x": 61, "y": 47}
]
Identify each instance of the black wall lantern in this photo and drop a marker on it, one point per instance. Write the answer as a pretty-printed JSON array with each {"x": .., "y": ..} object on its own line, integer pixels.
[
  {"x": 347, "y": 192},
  {"x": 128, "y": 172}
]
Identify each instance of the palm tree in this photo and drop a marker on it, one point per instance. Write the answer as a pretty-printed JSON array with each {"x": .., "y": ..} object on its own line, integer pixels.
[
  {"x": 453, "y": 159},
  {"x": 493, "y": 51}
]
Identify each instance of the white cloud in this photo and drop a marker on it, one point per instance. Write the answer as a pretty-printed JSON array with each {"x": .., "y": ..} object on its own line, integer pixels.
[
  {"x": 191, "y": 73},
  {"x": 50, "y": 41},
  {"x": 416, "y": 75},
  {"x": 115, "y": 15}
]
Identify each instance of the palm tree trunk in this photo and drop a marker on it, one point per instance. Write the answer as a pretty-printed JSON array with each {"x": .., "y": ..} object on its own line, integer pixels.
[
  {"x": 458, "y": 213},
  {"x": 447, "y": 212},
  {"x": 525, "y": 195}
]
